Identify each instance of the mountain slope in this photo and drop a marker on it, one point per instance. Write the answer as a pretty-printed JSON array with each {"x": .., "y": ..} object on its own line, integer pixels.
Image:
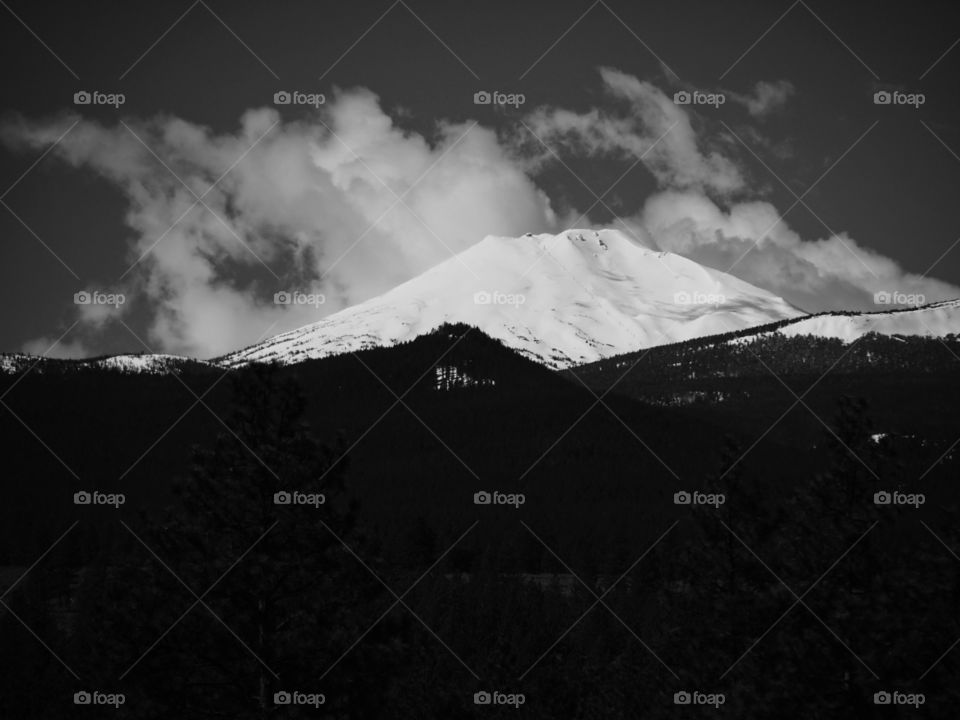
[
  {"x": 933, "y": 320},
  {"x": 561, "y": 300},
  {"x": 813, "y": 344}
]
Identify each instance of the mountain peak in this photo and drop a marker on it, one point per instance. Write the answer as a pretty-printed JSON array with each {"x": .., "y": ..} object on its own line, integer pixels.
[{"x": 564, "y": 299}]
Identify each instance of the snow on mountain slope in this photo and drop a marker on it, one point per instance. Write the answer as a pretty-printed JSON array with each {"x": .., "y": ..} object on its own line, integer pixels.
[
  {"x": 132, "y": 364},
  {"x": 933, "y": 320},
  {"x": 145, "y": 363},
  {"x": 561, "y": 300}
]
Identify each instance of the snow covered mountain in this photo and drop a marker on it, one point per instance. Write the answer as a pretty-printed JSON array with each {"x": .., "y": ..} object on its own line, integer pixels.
[{"x": 562, "y": 300}]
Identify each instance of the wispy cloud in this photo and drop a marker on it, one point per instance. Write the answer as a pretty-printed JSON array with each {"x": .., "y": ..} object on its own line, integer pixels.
[
  {"x": 766, "y": 98},
  {"x": 635, "y": 125}
]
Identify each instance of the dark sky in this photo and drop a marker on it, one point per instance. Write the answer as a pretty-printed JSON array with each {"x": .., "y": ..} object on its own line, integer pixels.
[{"x": 895, "y": 192}]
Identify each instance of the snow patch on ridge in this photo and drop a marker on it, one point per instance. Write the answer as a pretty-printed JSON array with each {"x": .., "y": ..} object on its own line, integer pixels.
[
  {"x": 132, "y": 364},
  {"x": 934, "y": 320}
]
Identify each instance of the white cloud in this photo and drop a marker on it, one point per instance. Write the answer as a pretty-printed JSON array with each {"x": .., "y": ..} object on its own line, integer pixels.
[
  {"x": 646, "y": 124},
  {"x": 831, "y": 273},
  {"x": 748, "y": 237},
  {"x": 316, "y": 201},
  {"x": 767, "y": 97}
]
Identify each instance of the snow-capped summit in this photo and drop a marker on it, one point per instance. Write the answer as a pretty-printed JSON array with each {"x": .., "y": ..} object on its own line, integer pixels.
[{"x": 561, "y": 300}]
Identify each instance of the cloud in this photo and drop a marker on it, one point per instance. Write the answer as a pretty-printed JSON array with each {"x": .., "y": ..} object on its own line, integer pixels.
[
  {"x": 644, "y": 125},
  {"x": 347, "y": 204},
  {"x": 343, "y": 204},
  {"x": 753, "y": 242},
  {"x": 766, "y": 98},
  {"x": 64, "y": 349},
  {"x": 709, "y": 211}
]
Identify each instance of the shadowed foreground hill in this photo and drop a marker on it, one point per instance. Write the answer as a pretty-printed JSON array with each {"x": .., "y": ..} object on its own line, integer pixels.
[
  {"x": 589, "y": 591},
  {"x": 422, "y": 426}
]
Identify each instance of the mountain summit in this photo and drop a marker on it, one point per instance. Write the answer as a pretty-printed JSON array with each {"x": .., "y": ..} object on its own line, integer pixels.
[{"x": 562, "y": 300}]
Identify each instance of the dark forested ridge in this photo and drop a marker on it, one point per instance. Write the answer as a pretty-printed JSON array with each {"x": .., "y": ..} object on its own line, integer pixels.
[
  {"x": 746, "y": 354},
  {"x": 797, "y": 436},
  {"x": 912, "y": 383}
]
